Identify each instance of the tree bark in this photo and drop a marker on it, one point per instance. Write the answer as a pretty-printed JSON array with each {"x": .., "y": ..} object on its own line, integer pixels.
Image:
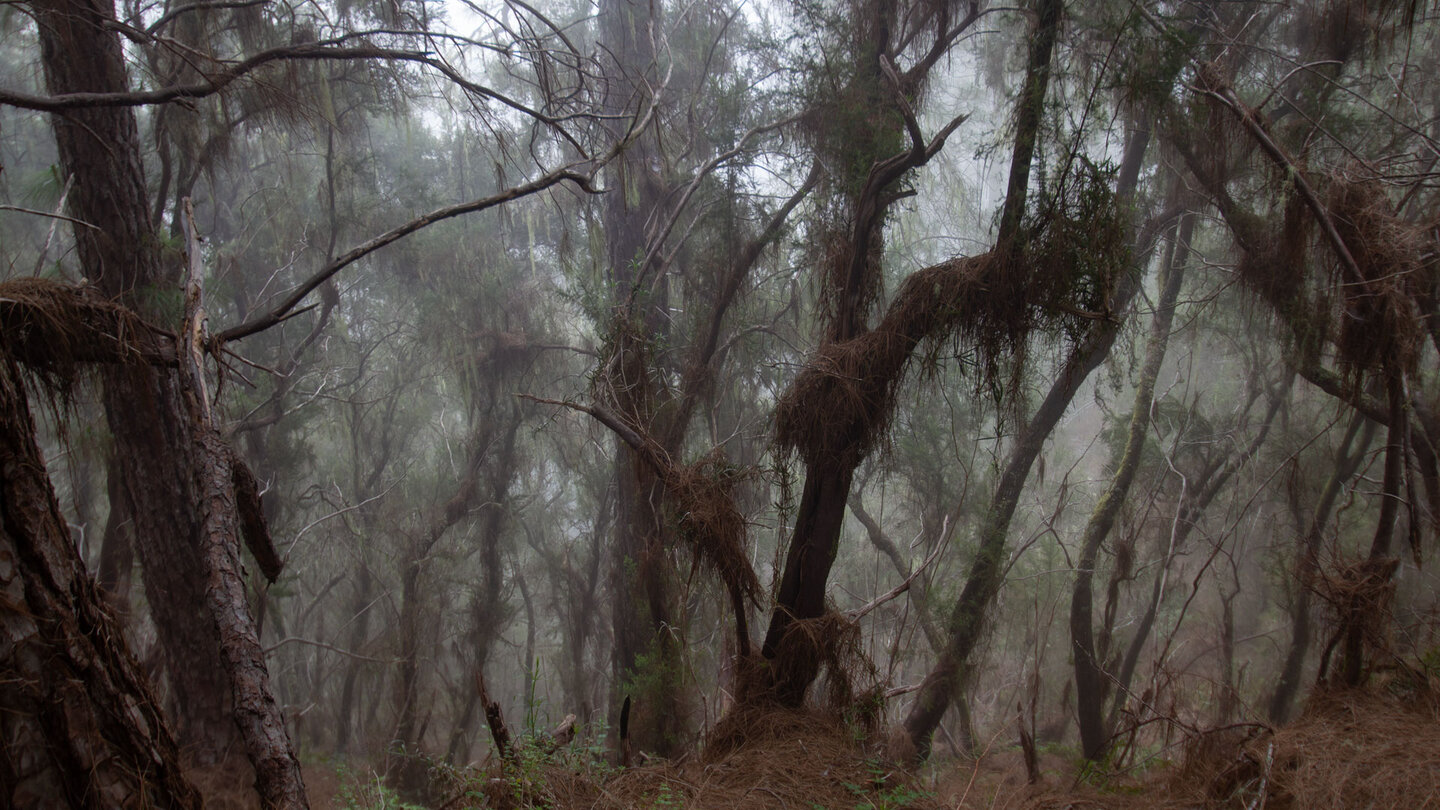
[
  {"x": 646, "y": 653},
  {"x": 229, "y": 507},
  {"x": 79, "y": 726},
  {"x": 851, "y": 279},
  {"x": 99, "y": 147}
]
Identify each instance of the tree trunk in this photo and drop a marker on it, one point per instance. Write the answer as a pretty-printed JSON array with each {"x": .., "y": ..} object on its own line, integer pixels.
[
  {"x": 345, "y": 722},
  {"x": 99, "y": 148},
  {"x": 1347, "y": 462},
  {"x": 79, "y": 726},
  {"x": 967, "y": 620},
  {"x": 646, "y": 653},
  {"x": 1091, "y": 683},
  {"x": 229, "y": 506},
  {"x": 1190, "y": 511},
  {"x": 851, "y": 278}
]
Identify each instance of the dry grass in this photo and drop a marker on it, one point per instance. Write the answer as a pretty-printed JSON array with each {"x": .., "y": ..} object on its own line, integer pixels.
[
  {"x": 1350, "y": 749},
  {"x": 1380, "y": 325},
  {"x": 702, "y": 496},
  {"x": 840, "y": 404},
  {"x": 1353, "y": 748}
]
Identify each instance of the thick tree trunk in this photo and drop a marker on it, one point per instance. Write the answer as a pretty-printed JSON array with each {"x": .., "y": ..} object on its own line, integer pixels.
[
  {"x": 851, "y": 278},
  {"x": 79, "y": 726},
  {"x": 646, "y": 655},
  {"x": 99, "y": 148},
  {"x": 229, "y": 506},
  {"x": 1358, "y": 623},
  {"x": 814, "y": 541}
]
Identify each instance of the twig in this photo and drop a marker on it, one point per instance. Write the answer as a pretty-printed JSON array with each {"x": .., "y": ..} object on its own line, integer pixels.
[
  {"x": 48, "y": 214},
  {"x": 905, "y": 586},
  {"x": 322, "y": 645},
  {"x": 54, "y": 220}
]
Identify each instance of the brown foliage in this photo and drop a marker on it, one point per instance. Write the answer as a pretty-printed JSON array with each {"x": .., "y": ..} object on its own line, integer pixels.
[
  {"x": 755, "y": 759},
  {"x": 1353, "y": 748},
  {"x": 841, "y": 403},
  {"x": 1380, "y": 325},
  {"x": 703, "y": 500},
  {"x": 1360, "y": 595},
  {"x": 55, "y": 329},
  {"x": 830, "y": 642}
]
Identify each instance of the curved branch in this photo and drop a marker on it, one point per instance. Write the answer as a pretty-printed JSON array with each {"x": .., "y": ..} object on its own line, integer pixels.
[
  {"x": 325, "y": 50},
  {"x": 283, "y": 309}
]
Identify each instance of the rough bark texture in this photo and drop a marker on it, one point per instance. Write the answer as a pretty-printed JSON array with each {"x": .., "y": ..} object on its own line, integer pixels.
[
  {"x": 99, "y": 148},
  {"x": 646, "y": 655},
  {"x": 262, "y": 726},
  {"x": 228, "y": 505},
  {"x": 79, "y": 726}
]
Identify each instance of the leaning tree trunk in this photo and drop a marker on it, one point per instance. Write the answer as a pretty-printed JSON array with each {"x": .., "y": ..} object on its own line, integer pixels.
[
  {"x": 834, "y": 412},
  {"x": 99, "y": 148},
  {"x": 79, "y": 726},
  {"x": 966, "y": 625}
]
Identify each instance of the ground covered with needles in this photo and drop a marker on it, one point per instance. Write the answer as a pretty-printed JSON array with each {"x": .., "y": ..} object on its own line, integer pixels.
[{"x": 1377, "y": 747}]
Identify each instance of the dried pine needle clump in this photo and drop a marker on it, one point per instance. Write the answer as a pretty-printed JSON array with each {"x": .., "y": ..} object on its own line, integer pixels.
[{"x": 55, "y": 330}]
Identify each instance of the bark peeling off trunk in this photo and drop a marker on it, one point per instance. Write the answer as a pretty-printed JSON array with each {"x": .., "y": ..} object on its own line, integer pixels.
[{"x": 78, "y": 724}]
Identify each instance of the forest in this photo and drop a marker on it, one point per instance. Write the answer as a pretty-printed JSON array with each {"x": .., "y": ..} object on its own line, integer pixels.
[{"x": 747, "y": 403}]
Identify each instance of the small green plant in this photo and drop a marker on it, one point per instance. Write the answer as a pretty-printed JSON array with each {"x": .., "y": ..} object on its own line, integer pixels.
[
  {"x": 667, "y": 798},
  {"x": 367, "y": 793},
  {"x": 881, "y": 794}
]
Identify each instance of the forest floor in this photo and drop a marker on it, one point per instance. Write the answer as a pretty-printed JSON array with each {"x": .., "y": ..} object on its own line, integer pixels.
[{"x": 1353, "y": 749}]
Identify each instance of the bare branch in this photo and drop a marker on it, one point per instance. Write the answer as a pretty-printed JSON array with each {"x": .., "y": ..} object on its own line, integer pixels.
[
  {"x": 281, "y": 311},
  {"x": 905, "y": 586},
  {"x": 48, "y": 214},
  {"x": 189, "y": 7},
  {"x": 325, "y": 50}
]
